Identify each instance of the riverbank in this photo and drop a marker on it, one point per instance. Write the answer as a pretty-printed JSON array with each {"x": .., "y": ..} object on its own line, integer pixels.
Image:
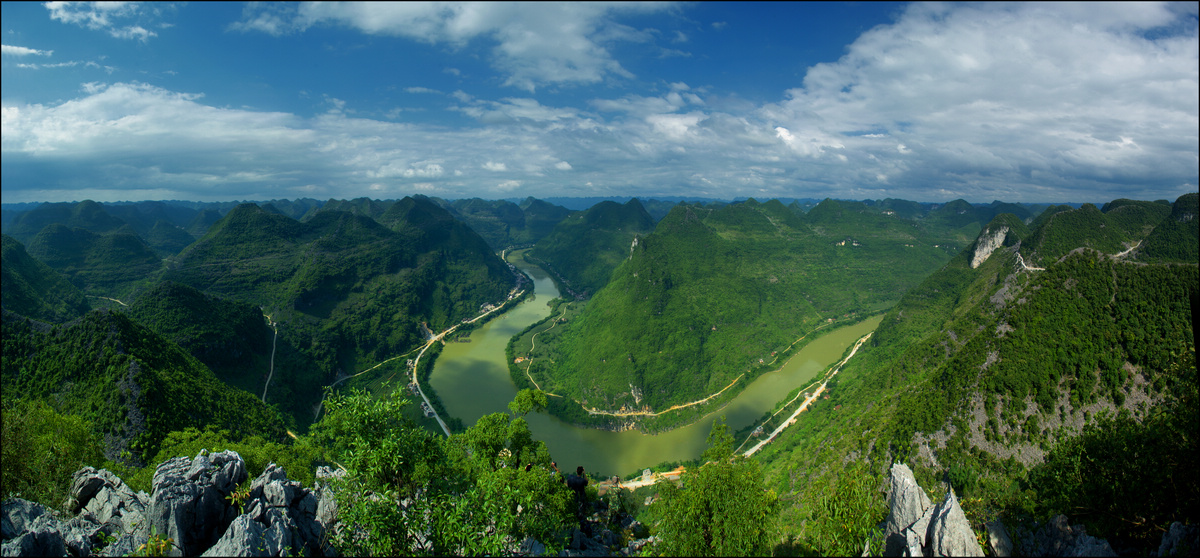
[
  {"x": 474, "y": 379},
  {"x": 522, "y": 360}
]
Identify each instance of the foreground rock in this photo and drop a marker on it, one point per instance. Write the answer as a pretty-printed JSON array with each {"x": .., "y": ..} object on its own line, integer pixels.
[
  {"x": 190, "y": 504},
  {"x": 1059, "y": 538},
  {"x": 915, "y": 527}
]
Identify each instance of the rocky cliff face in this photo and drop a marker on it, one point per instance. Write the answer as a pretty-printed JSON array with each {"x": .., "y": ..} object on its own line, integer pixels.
[
  {"x": 916, "y": 527},
  {"x": 987, "y": 243},
  {"x": 190, "y": 504}
]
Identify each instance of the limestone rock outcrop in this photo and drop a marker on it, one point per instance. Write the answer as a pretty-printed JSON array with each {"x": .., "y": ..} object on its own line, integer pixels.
[
  {"x": 915, "y": 527},
  {"x": 189, "y": 504},
  {"x": 1059, "y": 538},
  {"x": 987, "y": 243}
]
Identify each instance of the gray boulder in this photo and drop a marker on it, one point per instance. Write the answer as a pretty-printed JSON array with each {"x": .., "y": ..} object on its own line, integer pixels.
[
  {"x": 18, "y": 516},
  {"x": 280, "y": 516},
  {"x": 189, "y": 503},
  {"x": 44, "y": 541},
  {"x": 1059, "y": 538},
  {"x": 247, "y": 536},
  {"x": 908, "y": 504},
  {"x": 998, "y": 539},
  {"x": 1180, "y": 540},
  {"x": 108, "y": 500},
  {"x": 950, "y": 533},
  {"x": 29, "y": 529}
]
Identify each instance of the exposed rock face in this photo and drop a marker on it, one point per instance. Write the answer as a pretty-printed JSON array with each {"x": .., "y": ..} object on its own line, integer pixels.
[
  {"x": 1058, "y": 538},
  {"x": 188, "y": 505},
  {"x": 280, "y": 516},
  {"x": 950, "y": 533},
  {"x": 986, "y": 244},
  {"x": 916, "y": 528},
  {"x": 998, "y": 539},
  {"x": 106, "y": 497},
  {"x": 908, "y": 505},
  {"x": 1180, "y": 540}
]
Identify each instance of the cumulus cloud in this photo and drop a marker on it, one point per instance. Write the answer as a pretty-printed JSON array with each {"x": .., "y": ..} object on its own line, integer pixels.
[
  {"x": 122, "y": 20},
  {"x": 980, "y": 95},
  {"x": 537, "y": 43},
  {"x": 1030, "y": 102},
  {"x": 418, "y": 90},
  {"x": 11, "y": 50}
]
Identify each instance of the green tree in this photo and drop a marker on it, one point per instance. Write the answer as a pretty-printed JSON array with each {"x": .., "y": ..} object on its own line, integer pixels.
[
  {"x": 410, "y": 491},
  {"x": 42, "y": 449},
  {"x": 720, "y": 508}
]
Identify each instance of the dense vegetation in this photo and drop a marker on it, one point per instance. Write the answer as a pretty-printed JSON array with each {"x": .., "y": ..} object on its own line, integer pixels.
[
  {"x": 347, "y": 290},
  {"x": 31, "y": 288},
  {"x": 715, "y": 294},
  {"x": 131, "y": 385},
  {"x": 583, "y": 249},
  {"x": 1176, "y": 238},
  {"x": 1071, "y": 389},
  {"x": 980, "y": 375},
  {"x": 503, "y": 223}
]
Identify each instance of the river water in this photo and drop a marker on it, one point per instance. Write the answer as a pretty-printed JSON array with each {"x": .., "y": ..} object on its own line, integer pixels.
[{"x": 472, "y": 380}]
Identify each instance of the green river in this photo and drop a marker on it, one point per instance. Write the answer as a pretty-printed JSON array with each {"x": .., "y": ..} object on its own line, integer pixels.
[{"x": 472, "y": 380}]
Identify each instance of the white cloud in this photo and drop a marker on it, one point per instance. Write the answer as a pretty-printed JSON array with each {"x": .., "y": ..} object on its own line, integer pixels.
[
  {"x": 988, "y": 94},
  {"x": 421, "y": 90},
  {"x": 538, "y": 43},
  {"x": 1031, "y": 102},
  {"x": 10, "y": 50},
  {"x": 113, "y": 18}
]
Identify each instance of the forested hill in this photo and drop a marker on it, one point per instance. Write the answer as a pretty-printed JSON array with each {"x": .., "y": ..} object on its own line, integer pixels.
[
  {"x": 1068, "y": 389},
  {"x": 32, "y": 289},
  {"x": 1176, "y": 238},
  {"x": 715, "y": 294},
  {"x": 584, "y": 248},
  {"x": 130, "y": 384},
  {"x": 1061, "y": 229},
  {"x": 503, "y": 223},
  {"x": 346, "y": 290}
]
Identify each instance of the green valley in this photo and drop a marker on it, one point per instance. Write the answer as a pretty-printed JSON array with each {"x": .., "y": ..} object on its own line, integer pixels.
[{"x": 717, "y": 295}]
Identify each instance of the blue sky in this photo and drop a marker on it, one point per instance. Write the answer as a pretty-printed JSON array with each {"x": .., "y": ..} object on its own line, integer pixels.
[{"x": 1033, "y": 102}]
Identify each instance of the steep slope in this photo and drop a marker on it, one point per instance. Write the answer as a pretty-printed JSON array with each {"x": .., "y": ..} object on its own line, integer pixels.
[
  {"x": 231, "y": 338},
  {"x": 32, "y": 289},
  {"x": 346, "y": 291},
  {"x": 585, "y": 248},
  {"x": 981, "y": 372},
  {"x": 1177, "y": 236},
  {"x": 540, "y": 218},
  {"x": 1061, "y": 229},
  {"x": 132, "y": 385},
  {"x": 713, "y": 297},
  {"x": 111, "y": 265},
  {"x": 87, "y": 215}
]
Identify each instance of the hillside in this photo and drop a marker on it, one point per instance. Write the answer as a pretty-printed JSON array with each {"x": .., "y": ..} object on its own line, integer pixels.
[
  {"x": 503, "y": 223},
  {"x": 231, "y": 338},
  {"x": 1061, "y": 230},
  {"x": 714, "y": 296},
  {"x": 130, "y": 384},
  {"x": 994, "y": 376},
  {"x": 346, "y": 290},
  {"x": 1176, "y": 237},
  {"x": 34, "y": 290},
  {"x": 585, "y": 248},
  {"x": 111, "y": 265}
]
